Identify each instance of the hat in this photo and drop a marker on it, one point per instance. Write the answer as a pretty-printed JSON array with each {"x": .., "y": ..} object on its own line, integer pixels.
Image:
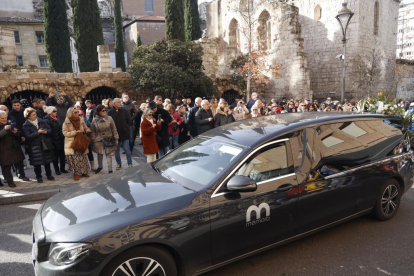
[
  {"x": 240, "y": 102},
  {"x": 151, "y": 105},
  {"x": 412, "y": 104},
  {"x": 48, "y": 109}
]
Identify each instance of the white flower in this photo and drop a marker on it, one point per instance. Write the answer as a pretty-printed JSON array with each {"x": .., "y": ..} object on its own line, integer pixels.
[
  {"x": 385, "y": 107},
  {"x": 392, "y": 108},
  {"x": 395, "y": 106}
]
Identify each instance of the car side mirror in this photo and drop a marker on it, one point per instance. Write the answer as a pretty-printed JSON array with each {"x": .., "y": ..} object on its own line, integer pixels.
[{"x": 240, "y": 183}]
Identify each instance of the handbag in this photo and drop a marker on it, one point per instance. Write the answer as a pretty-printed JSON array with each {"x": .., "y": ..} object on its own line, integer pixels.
[
  {"x": 47, "y": 144},
  {"x": 108, "y": 142},
  {"x": 81, "y": 142}
]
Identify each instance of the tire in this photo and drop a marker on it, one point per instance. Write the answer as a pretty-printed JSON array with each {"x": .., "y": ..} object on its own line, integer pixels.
[
  {"x": 388, "y": 200},
  {"x": 144, "y": 260}
]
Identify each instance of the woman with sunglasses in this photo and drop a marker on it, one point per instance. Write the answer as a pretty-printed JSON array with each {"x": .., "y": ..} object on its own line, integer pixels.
[
  {"x": 77, "y": 161},
  {"x": 103, "y": 127},
  {"x": 57, "y": 138}
]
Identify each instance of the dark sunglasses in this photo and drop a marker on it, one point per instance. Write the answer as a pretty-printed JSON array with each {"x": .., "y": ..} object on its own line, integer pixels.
[
  {"x": 76, "y": 112},
  {"x": 103, "y": 110}
]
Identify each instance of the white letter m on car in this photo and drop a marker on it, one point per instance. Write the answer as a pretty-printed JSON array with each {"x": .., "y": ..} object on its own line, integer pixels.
[{"x": 257, "y": 210}]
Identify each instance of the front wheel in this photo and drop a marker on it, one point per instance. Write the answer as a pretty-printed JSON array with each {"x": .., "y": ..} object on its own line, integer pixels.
[
  {"x": 388, "y": 200},
  {"x": 142, "y": 260}
]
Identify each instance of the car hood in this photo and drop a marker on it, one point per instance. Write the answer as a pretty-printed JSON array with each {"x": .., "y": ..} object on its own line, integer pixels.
[{"x": 129, "y": 196}]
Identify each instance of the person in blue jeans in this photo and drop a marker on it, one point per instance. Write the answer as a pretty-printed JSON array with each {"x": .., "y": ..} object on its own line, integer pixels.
[{"x": 122, "y": 121}]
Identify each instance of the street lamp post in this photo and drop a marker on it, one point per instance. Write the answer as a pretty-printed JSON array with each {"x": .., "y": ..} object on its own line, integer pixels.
[{"x": 344, "y": 17}]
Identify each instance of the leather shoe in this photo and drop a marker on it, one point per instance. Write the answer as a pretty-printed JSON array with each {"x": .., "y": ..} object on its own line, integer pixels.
[
  {"x": 58, "y": 173},
  {"x": 85, "y": 175},
  {"x": 110, "y": 172},
  {"x": 39, "y": 180},
  {"x": 25, "y": 178},
  {"x": 50, "y": 178},
  {"x": 98, "y": 170},
  {"x": 12, "y": 185},
  {"x": 63, "y": 171},
  {"x": 75, "y": 177}
]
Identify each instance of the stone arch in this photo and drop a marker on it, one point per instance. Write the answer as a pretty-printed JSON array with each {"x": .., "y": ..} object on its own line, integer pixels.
[
  {"x": 264, "y": 31},
  {"x": 229, "y": 95},
  {"x": 96, "y": 95},
  {"x": 318, "y": 13},
  {"x": 234, "y": 34},
  {"x": 376, "y": 17},
  {"x": 25, "y": 94}
]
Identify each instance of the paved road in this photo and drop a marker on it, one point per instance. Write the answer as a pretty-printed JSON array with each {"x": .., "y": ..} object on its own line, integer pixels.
[{"x": 363, "y": 246}]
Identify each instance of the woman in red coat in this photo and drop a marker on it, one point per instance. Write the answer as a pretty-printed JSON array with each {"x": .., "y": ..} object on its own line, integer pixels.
[{"x": 149, "y": 129}]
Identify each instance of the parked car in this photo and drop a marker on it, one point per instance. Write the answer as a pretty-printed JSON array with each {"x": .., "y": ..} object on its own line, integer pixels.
[{"x": 234, "y": 191}]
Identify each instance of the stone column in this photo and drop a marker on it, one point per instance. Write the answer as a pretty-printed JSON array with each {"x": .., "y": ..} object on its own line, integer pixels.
[
  {"x": 104, "y": 59},
  {"x": 7, "y": 47}
]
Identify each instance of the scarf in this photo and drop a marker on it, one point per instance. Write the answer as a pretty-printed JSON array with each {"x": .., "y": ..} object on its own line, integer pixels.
[
  {"x": 75, "y": 122},
  {"x": 35, "y": 123}
]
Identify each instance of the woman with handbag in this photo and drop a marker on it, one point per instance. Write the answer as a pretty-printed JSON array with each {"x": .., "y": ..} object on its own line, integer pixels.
[
  {"x": 104, "y": 137},
  {"x": 74, "y": 130},
  {"x": 10, "y": 150},
  {"x": 40, "y": 147},
  {"x": 149, "y": 129}
]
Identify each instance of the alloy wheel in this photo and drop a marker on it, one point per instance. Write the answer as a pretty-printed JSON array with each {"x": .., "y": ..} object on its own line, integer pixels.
[
  {"x": 389, "y": 201},
  {"x": 140, "y": 266}
]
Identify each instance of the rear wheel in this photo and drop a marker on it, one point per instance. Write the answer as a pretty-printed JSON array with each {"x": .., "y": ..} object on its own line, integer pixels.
[
  {"x": 142, "y": 260},
  {"x": 388, "y": 200}
]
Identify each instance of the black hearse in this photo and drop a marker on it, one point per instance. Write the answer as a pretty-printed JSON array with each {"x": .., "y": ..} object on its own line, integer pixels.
[{"x": 232, "y": 192}]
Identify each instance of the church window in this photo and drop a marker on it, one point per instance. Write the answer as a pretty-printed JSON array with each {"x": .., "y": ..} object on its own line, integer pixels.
[
  {"x": 264, "y": 31},
  {"x": 149, "y": 6},
  {"x": 318, "y": 13},
  {"x": 16, "y": 37},
  {"x": 19, "y": 60},
  {"x": 246, "y": 6},
  {"x": 234, "y": 36},
  {"x": 376, "y": 18}
]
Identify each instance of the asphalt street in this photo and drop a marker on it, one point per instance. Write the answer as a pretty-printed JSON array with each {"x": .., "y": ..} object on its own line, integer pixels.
[{"x": 363, "y": 246}]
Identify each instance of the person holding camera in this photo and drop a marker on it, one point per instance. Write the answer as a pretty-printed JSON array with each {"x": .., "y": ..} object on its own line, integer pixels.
[
  {"x": 10, "y": 150},
  {"x": 163, "y": 136},
  {"x": 174, "y": 126},
  {"x": 104, "y": 137},
  {"x": 62, "y": 103},
  {"x": 40, "y": 147}
]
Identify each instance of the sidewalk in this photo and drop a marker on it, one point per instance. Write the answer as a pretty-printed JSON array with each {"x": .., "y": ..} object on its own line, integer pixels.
[{"x": 32, "y": 191}]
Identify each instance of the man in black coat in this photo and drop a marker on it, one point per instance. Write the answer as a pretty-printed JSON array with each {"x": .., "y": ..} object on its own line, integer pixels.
[
  {"x": 40, "y": 113},
  {"x": 62, "y": 104},
  {"x": 204, "y": 118},
  {"x": 192, "y": 125},
  {"x": 165, "y": 117},
  {"x": 130, "y": 107},
  {"x": 122, "y": 122},
  {"x": 17, "y": 113}
]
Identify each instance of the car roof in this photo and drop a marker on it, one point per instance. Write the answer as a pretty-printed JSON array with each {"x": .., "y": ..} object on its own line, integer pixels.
[{"x": 255, "y": 131}]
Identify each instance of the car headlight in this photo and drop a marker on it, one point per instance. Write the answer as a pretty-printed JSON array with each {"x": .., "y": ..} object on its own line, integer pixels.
[{"x": 67, "y": 253}]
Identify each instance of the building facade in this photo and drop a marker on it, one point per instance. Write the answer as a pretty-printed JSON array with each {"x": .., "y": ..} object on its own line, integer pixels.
[
  {"x": 405, "y": 38},
  {"x": 304, "y": 37},
  {"x": 25, "y": 18}
]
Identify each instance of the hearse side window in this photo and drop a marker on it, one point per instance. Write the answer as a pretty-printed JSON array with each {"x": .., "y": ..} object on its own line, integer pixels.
[
  {"x": 343, "y": 145},
  {"x": 268, "y": 163}
]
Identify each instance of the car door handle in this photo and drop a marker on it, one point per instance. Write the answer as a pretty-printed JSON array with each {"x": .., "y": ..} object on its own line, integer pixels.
[{"x": 284, "y": 188}]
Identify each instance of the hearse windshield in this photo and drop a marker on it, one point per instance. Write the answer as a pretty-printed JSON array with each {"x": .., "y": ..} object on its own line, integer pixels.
[{"x": 196, "y": 163}]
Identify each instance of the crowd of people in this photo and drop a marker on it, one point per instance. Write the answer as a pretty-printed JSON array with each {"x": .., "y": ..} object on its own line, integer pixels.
[{"x": 46, "y": 130}]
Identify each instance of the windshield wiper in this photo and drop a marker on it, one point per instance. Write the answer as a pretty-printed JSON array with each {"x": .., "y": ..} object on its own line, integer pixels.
[{"x": 155, "y": 168}]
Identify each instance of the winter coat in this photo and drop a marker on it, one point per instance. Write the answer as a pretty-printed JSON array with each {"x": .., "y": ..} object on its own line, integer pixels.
[
  {"x": 163, "y": 133},
  {"x": 34, "y": 143},
  {"x": 122, "y": 122},
  {"x": 20, "y": 119},
  {"x": 70, "y": 133},
  {"x": 10, "y": 150},
  {"x": 148, "y": 132},
  {"x": 250, "y": 104},
  {"x": 57, "y": 135},
  {"x": 203, "y": 124},
  {"x": 170, "y": 125},
  {"x": 61, "y": 109},
  {"x": 183, "y": 130},
  {"x": 192, "y": 125},
  {"x": 130, "y": 107},
  {"x": 102, "y": 127},
  {"x": 222, "y": 119},
  {"x": 40, "y": 113},
  {"x": 241, "y": 113}
]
